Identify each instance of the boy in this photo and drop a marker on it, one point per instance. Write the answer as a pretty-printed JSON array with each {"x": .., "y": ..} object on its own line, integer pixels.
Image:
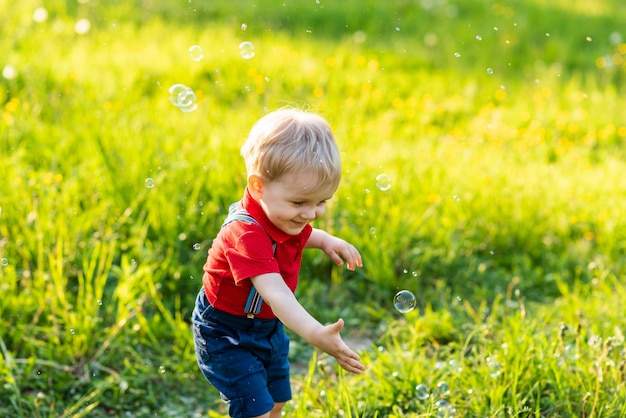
[{"x": 251, "y": 273}]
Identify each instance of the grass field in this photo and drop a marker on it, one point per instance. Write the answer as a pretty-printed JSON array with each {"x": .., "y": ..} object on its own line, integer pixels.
[{"x": 500, "y": 125}]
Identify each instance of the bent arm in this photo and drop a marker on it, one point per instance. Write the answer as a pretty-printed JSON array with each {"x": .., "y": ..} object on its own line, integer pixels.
[
  {"x": 336, "y": 248},
  {"x": 293, "y": 315}
]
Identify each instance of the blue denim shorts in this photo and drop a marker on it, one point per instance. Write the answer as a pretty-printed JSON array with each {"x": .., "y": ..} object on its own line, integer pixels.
[{"x": 245, "y": 359}]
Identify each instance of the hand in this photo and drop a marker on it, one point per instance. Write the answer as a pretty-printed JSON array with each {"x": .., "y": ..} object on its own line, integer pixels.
[
  {"x": 286, "y": 307},
  {"x": 331, "y": 342},
  {"x": 336, "y": 248}
]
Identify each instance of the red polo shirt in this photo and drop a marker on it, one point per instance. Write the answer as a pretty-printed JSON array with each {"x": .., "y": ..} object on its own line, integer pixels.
[{"x": 242, "y": 250}]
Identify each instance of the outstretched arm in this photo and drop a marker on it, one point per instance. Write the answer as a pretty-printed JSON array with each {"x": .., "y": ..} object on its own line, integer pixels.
[
  {"x": 291, "y": 313},
  {"x": 337, "y": 249}
]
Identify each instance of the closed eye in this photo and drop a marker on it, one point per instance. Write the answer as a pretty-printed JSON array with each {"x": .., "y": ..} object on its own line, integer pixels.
[{"x": 301, "y": 203}]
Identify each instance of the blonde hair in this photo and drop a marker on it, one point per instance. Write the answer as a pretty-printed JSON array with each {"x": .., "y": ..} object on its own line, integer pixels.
[{"x": 289, "y": 141}]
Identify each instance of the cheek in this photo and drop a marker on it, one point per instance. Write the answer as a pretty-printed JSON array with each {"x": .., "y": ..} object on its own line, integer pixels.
[{"x": 283, "y": 213}]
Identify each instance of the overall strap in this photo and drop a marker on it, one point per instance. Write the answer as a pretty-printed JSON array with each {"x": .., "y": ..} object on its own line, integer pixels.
[{"x": 238, "y": 213}]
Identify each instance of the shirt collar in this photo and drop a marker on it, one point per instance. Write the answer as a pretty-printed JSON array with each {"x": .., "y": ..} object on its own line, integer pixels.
[{"x": 256, "y": 211}]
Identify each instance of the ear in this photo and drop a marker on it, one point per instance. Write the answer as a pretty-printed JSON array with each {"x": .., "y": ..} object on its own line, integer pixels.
[{"x": 255, "y": 185}]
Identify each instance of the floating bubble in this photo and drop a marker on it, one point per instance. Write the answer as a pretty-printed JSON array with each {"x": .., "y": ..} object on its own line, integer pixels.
[
  {"x": 457, "y": 54},
  {"x": 444, "y": 389},
  {"x": 162, "y": 369},
  {"x": 244, "y": 26},
  {"x": 570, "y": 352},
  {"x": 422, "y": 392},
  {"x": 5, "y": 262},
  {"x": 196, "y": 53},
  {"x": 479, "y": 38},
  {"x": 149, "y": 183},
  {"x": 445, "y": 409},
  {"x": 246, "y": 50},
  {"x": 456, "y": 365},
  {"x": 494, "y": 369},
  {"x": 196, "y": 246},
  {"x": 183, "y": 98},
  {"x": 404, "y": 301},
  {"x": 489, "y": 70},
  {"x": 383, "y": 182},
  {"x": 175, "y": 92}
]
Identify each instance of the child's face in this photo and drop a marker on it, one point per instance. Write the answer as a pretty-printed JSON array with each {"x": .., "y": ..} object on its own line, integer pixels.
[{"x": 293, "y": 201}]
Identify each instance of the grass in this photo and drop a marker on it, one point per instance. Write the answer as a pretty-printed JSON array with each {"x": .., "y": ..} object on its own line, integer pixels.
[{"x": 500, "y": 126}]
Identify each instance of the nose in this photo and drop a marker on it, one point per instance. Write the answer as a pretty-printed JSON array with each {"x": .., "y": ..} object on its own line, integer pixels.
[{"x": 310, "y": 213}]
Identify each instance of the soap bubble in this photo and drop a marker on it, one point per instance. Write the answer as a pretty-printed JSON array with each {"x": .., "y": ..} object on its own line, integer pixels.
[
  {"x": 149, "y": 183},
  {"x": 195, "y": 53},
  {"x": 455, "y": 365},
  {"x": 422, "y": 392},
  {"x": 494, "y": 369},
  {"x": 404, "y": 301},
  {"x": 183, "y": 98},
  {"x": 383, "y": 182},
  {"x": 444, "y": 389},
  {"x": 5, "y": 262},
  {"x": 196, "y": 246},
  {"x": 445, "y": 409},
  {"x": 176, "y": 91},
  {"x": 246, "y": 50}
]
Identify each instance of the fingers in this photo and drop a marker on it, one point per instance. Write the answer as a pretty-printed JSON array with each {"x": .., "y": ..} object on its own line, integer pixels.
[
  {"x": 347, "y": 359},
  {"x": 350, "y": 254},
  {"x": 351, "y": 364},
  {"x": 336, "y": 258}
]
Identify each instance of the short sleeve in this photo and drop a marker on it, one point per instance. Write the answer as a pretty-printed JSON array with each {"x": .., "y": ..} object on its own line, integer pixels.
[{"x": 251, "y": 254}]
